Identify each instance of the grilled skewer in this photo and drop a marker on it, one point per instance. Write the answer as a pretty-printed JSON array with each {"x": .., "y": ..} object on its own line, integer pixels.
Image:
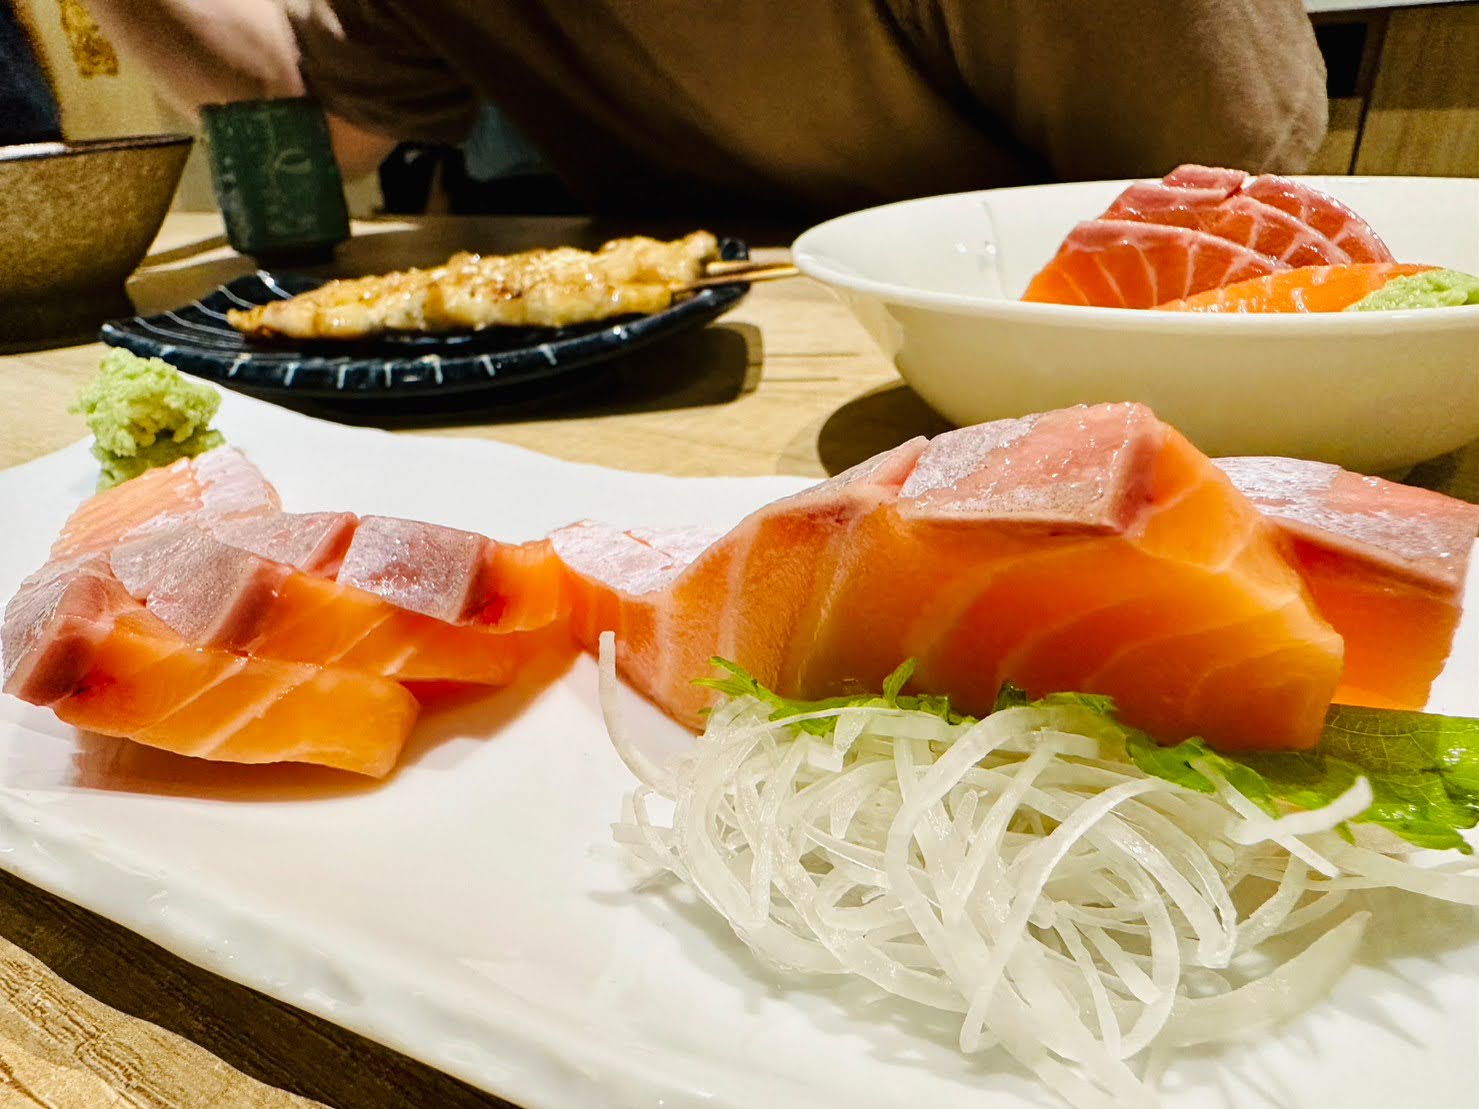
[{"x": 538, "y": 288}]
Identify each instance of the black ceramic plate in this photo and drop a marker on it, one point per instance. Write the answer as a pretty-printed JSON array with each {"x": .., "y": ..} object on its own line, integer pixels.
[{"x": 197, "y": 339}]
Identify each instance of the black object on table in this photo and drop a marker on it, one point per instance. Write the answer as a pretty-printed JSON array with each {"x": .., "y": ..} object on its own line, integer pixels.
[{"x": 28, "y": 107}]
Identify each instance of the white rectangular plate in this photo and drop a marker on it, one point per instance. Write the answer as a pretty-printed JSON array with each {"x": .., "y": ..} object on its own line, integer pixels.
[{"x": 473, "y": 912}]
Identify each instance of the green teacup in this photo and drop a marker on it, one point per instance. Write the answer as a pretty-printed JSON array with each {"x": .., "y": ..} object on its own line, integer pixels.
[{"x": 276, "y": 180}]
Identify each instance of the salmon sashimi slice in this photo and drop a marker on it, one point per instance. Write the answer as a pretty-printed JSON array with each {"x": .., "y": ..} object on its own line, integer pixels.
[
  {"x": 76, "y": 642},
  {"x": 1322, "y": 212},
  {"x": 1233, "y": 216},
  {"x": 458, "y": 577},
  {"x": 214, "y": 593},
  {"x": 1094, "y": 550},
  {"x": 220, "y": 485},
  {"x": 449, "y": 575},
  {"x": 1283, "y": 222},
  {"x": 435, "y": 605},
  {"x": 207, "y": 550},
  {"x": 1385, "y": 563},
  {"x": 1310, "y": 289},
  {"x": 1091, "y": 549},
  {"x": 779, "y": 561},
  {"x": 1130, "y": 264},
  {"x": 172, "y": 596},
  {"x": 1213, "y": 178}
]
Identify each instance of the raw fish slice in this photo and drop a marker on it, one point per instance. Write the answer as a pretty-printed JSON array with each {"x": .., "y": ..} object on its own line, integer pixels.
[
  {"x": 1192, "y": 176},
  {"x": 1126, "y": 264},
  {"x": 220, "y": 485},
  {"x": 76, "y": 642},
  {"x": 1385, "y": 563},
  {"x": 1237, "y": 218},
  {"x": 777, "y": 566},
  {"x": 427, "y": 568},
  {"x": 1321, "y": 213},
  {"x": 1282, "y": 222},
  {"x": 441, "y": 572},
  {"x": 451, "y": 575},
  {"x": 213, "y": 593},
  {"x": 1324, "y": 213},
  {"x": 204, "y": 544},
  {"x": 983, "y": 553},
  {"x": 52, "y": 625},
  {"x": 313, "y": 542},
  {"x": 1090, "y": 549},
  {"x": 1311, "y": 289},
  {"x": 455, "y": 576},
  {"x": 644, "y": 560}
]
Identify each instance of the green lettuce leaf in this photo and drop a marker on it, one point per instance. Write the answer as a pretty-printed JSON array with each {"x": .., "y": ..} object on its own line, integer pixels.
[
  {"x": 1423, "y": 769},
  {"x": 739, "y": 683}
]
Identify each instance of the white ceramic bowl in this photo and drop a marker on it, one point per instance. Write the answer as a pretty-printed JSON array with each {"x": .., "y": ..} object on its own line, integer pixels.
[{"x": 935, "y": 282}]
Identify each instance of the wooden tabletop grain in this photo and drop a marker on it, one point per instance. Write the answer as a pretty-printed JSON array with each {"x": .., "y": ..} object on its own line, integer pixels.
[{"x": 786, "y": 383}]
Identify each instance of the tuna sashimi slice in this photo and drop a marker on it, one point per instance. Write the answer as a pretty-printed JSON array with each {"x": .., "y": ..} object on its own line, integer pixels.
[
  {"x": 455, "y": 576},
  {"x": 313, "y": 542},
  {"x": 214, "y": 593},
  {"x": 1129, "y": 264},
  {"x": 76, "y": 642},
  {"x": 1090, "y": 549},
  {"x": 1386, "y": 564},
  {"x": 176, "y": 595}
]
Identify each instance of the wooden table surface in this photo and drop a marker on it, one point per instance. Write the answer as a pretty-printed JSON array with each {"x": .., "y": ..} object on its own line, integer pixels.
[{"x": 91, "y": 1015}]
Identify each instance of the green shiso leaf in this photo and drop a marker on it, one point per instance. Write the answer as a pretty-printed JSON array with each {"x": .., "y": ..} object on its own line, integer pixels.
[{"x": 1423, "y": 769}]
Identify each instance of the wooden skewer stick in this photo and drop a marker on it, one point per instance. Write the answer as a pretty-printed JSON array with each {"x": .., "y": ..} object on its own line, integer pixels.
[
  {"x": 736, "y": 265},
  {"x": 727, "y": 273}
]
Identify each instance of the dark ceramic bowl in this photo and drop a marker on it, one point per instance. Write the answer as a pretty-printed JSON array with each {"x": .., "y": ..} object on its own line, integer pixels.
[{"x": 75, "y": 219}]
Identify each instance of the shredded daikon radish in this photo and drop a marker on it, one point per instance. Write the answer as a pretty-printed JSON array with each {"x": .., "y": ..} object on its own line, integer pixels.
[{"x": 1081, "y": 916}]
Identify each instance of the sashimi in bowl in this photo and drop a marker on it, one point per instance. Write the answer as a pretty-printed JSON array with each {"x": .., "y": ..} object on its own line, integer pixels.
[{"x": 937, "y": 283}]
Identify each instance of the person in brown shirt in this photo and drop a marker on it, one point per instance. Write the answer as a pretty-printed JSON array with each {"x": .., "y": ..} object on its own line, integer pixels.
[{"x": 807, "y": 106}]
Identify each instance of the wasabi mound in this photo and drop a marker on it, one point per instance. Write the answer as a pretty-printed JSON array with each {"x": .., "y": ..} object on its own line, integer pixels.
[
  {"x": 144, "y": 413},
  {"x": 1430, "y": 289}
]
